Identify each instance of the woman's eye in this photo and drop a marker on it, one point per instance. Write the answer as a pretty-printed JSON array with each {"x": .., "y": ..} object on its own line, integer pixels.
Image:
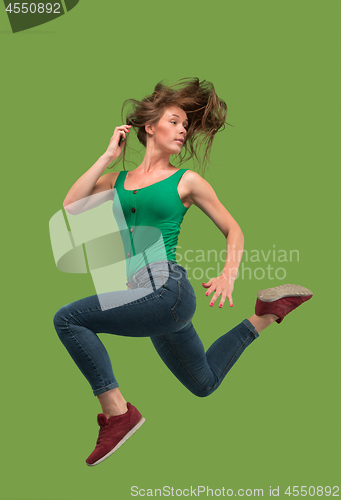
[{"x": 186, "y": 128}]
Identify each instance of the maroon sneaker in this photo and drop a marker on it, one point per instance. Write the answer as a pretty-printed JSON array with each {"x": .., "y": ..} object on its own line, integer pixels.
[
  {"x": 114, "y": 431},
  {"x": 281, "y": 300}
]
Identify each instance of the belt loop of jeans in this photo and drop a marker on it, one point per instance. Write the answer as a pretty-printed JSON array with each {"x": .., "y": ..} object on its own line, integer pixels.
[
  {"x": 151, "y": 278},
  {"x": 176, "y": 268}
]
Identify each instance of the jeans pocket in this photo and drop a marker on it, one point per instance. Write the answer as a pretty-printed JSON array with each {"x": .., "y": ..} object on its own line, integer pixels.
[{"x": 184, "y": 308}]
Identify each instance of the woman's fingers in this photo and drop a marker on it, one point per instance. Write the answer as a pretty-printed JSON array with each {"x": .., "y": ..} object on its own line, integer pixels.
[
  {"x": 229, "y": 297},
  {"x": 216, "y": 296},
  {"x": 208, "y": 284},
  {"x": 224, "y": 291},
  {"x": 115, "y": 145},
  {"x": 121, "y": 137},
  {"x": 121, "y": 132},
  {"x": 222, "y": 300}
]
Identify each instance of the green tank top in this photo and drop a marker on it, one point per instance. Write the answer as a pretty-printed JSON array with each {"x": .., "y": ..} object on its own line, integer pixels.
[{"x": 149, "y": 220}]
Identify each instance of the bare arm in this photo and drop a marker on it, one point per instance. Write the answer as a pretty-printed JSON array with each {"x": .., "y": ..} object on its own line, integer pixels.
[
  {"x": 203, "y": 196},
  {"x": 85, "y": 193}
]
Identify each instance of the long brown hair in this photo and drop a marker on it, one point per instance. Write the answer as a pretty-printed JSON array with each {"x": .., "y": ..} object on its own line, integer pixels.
[{"x": 205, "y": 111}]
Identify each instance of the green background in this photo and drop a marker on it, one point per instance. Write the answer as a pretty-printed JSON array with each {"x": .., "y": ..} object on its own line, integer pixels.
[{"x": 275, "y": 419}]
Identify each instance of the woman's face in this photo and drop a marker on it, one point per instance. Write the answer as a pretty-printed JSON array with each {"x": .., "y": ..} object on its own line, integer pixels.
[{"x": 169, "y": 133}]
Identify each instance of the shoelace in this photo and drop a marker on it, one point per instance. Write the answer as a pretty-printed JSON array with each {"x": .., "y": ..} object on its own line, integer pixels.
[{"x": 101, "y": 433}]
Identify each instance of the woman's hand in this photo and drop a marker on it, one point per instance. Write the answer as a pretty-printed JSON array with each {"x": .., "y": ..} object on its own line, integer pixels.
[
  {"x": 222, "y": 286},
  {"x": 114, "y": 150}
]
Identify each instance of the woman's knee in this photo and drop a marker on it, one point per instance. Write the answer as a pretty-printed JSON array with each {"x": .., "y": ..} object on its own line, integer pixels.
[
  {"x": 60, "y": 319},
  {"x": 202, "y": 392}
]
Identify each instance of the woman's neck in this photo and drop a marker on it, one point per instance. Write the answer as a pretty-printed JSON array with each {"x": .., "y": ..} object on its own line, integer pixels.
[{"x": 154, "y": 160}]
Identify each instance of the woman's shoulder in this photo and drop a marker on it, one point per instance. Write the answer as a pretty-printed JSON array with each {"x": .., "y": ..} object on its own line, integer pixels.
[
  {"x": 190, "y": 174},
  {"x": 190, "y": 184},
  {"x": 195, "y": 186},
  {"x": 112, "y": 178},
  {"x": 190, "y": 177}
]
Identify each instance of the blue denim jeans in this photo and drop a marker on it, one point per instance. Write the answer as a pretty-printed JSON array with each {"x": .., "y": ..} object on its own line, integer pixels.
[{"x": 159, "y": 303}]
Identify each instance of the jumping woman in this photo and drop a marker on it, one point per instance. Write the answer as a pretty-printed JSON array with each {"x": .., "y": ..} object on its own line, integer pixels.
[{"x": 149, "y": 204}]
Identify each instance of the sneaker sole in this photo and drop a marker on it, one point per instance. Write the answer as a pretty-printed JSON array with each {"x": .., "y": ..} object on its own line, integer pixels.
[
  {"x": 123, "y": 440},
  {"x": 279, "y": 292}
]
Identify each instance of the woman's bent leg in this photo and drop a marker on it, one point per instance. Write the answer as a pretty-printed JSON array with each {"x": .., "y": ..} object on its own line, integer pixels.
[
  {"x": 139, "y": 314},
  {"x": 201, "y": 372},
  {"x": 131, "y": 313},
  {"x": 84, "y": 345}
]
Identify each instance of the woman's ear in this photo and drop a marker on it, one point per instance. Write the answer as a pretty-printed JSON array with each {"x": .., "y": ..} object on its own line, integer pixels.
[{"x": 149, "y": 128}]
